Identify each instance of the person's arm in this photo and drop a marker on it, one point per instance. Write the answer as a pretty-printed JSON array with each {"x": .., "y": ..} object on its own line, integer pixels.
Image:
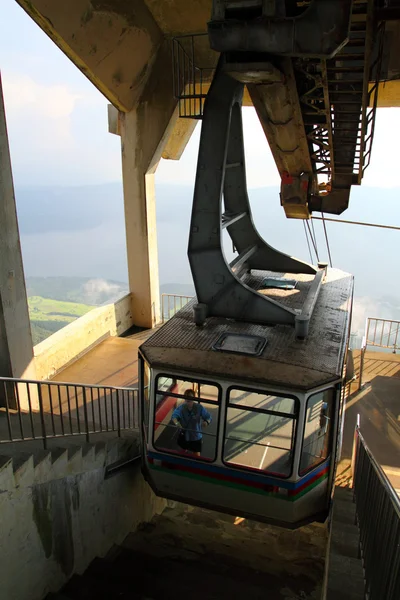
[
  {"x": 205, "y": 415},
  {"x": 176, "y": 416}
]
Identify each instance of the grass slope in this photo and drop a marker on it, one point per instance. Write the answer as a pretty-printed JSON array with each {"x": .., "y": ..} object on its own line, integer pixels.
[
  {"x": 47, "y": 309},
  {"x": 48, "y": 316}
]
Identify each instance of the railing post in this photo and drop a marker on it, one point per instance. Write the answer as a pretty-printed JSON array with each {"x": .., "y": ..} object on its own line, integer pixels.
[
  {"x": 362, "y": 356},
  {"x": 118, "y": 414},
  {"x": 85, "y": 413},
  {"x": 8, "y": 412},
  {"x": 135, "y": 409},
  {"x": 355, "y": 451},
  {"x": 42, "y": 421}
]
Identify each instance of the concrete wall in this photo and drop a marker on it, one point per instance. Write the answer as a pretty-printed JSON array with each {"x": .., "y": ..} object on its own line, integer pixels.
[
  {"x": 53, "y": 524},
  {"x": 66, "y": 345}
]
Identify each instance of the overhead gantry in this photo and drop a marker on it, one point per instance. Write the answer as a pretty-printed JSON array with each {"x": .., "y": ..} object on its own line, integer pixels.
[{"x": 308, "y": 67}]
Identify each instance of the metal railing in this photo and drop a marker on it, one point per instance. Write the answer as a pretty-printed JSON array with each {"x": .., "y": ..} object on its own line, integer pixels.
[
  {"x": 42, "y": 410},
  {"x": 378, "y": 519},
  {"x": 369, "y": 110},
  {"x": 191, "y": 81},
  {"x": 381, "y": 333},
  {"x": 171, "y": 303}
]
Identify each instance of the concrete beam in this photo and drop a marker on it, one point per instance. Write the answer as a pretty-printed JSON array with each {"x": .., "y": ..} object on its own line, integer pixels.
[
  {"x": 16, "y": 349},
  {"x": 388, "y": 94},
  {"x": 277, "y": 106},
  {"x": 178, "y": 138},
  {"x": 113, "y": 43},
  {"x": 144, "y": 134}
]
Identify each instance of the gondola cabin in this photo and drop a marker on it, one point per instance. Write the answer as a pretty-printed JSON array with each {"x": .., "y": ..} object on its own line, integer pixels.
[{"x": 275, "y": 404}]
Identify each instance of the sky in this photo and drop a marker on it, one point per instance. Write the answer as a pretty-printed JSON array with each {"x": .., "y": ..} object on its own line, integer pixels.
[
  {"x": 58, "y": 127},
  {"x": 58, "y": 133}
]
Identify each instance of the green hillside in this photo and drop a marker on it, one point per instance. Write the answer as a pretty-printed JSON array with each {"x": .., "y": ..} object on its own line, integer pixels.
[
  {"x": 86, "y": 290},
  {"x": 56, "y": 301},
  {"x": 48, "y": 316}
]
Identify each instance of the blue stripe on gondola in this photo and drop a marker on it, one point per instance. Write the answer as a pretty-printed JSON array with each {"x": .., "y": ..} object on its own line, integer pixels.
[{"x": 203, "y": 466}]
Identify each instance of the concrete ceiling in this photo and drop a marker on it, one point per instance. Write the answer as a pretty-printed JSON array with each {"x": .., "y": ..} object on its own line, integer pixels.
[
  {"x": 115, "y": 42},
  {"x": 180, "y": 16}
]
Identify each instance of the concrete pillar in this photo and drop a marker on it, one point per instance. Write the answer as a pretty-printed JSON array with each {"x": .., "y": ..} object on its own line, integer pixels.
[
  {"x": 144, "y": 133},
  {"x": 140, "y": 223},
  {"x": 16, "y": 349}
]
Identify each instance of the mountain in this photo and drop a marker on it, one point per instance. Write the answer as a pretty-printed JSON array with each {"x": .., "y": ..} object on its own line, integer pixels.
[
  {"x": 84, "y": 290},
  {"x": 54, "y": 302},
  {"x": 79, "y": 233}
]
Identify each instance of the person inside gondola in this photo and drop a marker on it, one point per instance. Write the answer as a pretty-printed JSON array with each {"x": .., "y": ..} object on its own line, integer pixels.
[{"x": 190, "y": 417}]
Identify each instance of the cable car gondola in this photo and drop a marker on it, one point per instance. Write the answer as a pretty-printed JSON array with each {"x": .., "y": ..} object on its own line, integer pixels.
[
  {"x": 276, "y": 404},
  {"x": 262, "y": 348}
]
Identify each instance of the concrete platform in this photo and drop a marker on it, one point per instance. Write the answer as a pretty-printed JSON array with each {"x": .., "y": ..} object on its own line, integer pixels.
[
  {"x": 378, "y": 404},
  {"x": 113, "y": 362}
]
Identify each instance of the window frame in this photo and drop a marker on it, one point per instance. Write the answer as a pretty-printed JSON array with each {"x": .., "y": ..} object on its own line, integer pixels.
[
  {"x": 294, "y": 417},
  {"x": 142, "y": 364},
  {"x": 304, "y": 473},
  {"x": 173, "y": 395}
]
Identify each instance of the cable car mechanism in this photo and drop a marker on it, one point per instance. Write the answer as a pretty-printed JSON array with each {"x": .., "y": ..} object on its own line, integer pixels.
[{"x": 263, "y": 349}]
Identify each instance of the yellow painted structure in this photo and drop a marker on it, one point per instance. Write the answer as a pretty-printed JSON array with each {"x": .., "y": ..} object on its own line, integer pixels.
[{"x": 124, "y": 48}]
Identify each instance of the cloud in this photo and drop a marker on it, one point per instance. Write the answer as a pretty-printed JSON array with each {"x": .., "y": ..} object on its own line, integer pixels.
[
  {"x": 38, "y": 116},
  {"x": 58, "y": 133},
  {"x": 365, "y": 306},
  {"x": 49, "y": 101},
  {"x": 261, "y": 170},
  {"x": 98, "y": 291}
]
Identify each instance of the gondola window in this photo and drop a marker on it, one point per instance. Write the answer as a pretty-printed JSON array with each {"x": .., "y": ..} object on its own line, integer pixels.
[
  {"x": 186, "y": 417},
  {"x": 260, "y": 431},
  {"x": 317, "y": 430}
]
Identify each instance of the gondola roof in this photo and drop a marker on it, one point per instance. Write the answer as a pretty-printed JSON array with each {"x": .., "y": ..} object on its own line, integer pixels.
[{"x": 285, "y": 362}]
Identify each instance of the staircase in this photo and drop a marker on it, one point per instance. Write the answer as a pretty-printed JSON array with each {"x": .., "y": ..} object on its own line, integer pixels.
[
  {"x": 192, "y": 553},
  {"x": 349, "y": 74},
  {"x": 338, "y": 99},
  {"x": 35, "y": 466},
  {"x": 345, "y": 578},
  {"x": 62, "y": 507}
]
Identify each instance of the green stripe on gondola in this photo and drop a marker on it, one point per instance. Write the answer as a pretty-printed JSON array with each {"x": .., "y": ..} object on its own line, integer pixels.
[
  {"x": 310, "y": 487},
  {"x": 241, "y": 487}
]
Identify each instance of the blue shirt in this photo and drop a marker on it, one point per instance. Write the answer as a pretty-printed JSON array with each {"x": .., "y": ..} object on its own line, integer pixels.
[{"x": 191, "y": 420}]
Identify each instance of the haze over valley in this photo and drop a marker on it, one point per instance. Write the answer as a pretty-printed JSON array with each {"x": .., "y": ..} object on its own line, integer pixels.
[{"x": 79, "y": 232}]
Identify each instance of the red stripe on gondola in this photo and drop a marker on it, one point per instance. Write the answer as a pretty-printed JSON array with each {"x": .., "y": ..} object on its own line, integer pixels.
[
  {"x": 232, "y": 479},
  {"x": 309, "y": 482},
  {"x": 196, "y": 471}
]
